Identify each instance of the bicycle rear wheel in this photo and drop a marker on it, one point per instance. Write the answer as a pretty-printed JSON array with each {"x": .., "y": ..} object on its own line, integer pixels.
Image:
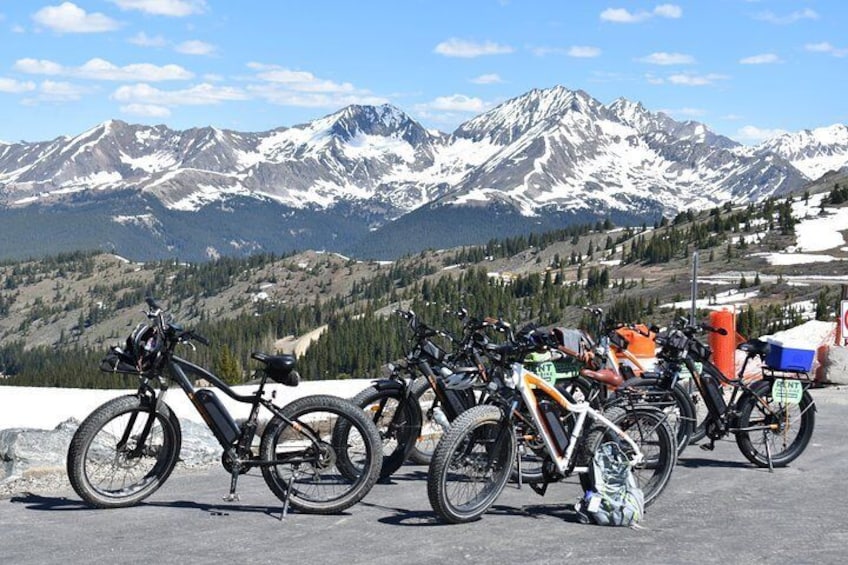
[
  {"x": 650, "y": 430},
  {"x": 329, "y": 475},
  {"x": 781, "y": 431},
  {"x": 471, "y": 464},
  {"x": 113, "y": 462}
]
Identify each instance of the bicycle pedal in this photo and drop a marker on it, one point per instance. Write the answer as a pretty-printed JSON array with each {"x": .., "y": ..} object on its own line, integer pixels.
[{"x": 707, "y": 446}]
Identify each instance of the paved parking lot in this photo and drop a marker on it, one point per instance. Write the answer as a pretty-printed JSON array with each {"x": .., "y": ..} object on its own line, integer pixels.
[{"x": 716, "y": 509}]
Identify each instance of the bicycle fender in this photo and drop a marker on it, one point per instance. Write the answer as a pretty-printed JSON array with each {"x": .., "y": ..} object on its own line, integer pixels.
[{"x": 390, "y": 384}]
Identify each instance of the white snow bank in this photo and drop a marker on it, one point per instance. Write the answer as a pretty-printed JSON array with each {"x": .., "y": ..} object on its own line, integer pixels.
[{"x": 45, "y": 408}]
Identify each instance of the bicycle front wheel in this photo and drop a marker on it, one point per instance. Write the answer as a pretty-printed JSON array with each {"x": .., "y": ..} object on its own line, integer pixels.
[
  {"x": 775, "y": 431},
  {"x": 650, "y": 430},
  {"x": 123, "y": 452},
  {"x": 398, "y": 419},
  {"x": 471, "y": 464},
  {"x": 324, "y": 456}
]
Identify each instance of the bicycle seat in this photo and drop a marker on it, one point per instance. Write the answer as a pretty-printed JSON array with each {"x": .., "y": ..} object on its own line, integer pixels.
[
  {"x": 279, "y": 367},
  {"x": 605, "y": 376},
  {"x": 755, "y": 347}
]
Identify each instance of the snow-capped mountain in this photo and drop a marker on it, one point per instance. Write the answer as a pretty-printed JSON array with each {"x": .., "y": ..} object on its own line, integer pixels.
[
  {"x": 550, "y": 156},
  {"x": 813, "y": 152},
  {"x": 563, "y": 150}
]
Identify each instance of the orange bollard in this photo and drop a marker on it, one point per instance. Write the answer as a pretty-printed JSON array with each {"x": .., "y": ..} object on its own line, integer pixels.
[{"x": 724, "y": 346}]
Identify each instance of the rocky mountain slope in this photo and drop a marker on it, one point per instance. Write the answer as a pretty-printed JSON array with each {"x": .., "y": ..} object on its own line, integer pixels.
[{"x": 370, "y": 179}]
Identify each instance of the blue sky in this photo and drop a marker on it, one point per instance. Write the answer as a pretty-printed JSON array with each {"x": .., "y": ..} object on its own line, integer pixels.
[{"x": 747, "y": 68}]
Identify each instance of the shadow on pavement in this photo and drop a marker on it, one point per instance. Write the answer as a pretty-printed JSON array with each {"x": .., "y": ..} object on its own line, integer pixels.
[{"x": 62, "y": 504}]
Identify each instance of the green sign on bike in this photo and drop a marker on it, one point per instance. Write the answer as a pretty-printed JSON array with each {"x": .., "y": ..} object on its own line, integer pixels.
[
  {"x": 787, "y": 391},
  {"x": 547, "y": 371}
]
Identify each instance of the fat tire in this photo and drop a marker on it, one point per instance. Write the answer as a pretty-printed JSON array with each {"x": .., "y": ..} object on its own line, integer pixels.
[
  {"x": 662, "y": 465},
  {"x": 361, "y": 476},
  {"x": 782, "y": 458},
  {"x": 81, "y": 445},
  {"x": 404, "y": 434},
  {"x": 447, "y": 451}
]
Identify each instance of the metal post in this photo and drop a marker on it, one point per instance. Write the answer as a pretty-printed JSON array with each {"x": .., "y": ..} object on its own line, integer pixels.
[{"x": 692, "y": 313}]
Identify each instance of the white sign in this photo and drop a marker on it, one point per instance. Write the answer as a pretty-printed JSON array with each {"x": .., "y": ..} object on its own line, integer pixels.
[{"x": 787, "y": 391}]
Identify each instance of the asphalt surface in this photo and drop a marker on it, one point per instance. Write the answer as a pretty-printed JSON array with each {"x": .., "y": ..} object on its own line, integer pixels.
[{"x": 716, "y": 509}]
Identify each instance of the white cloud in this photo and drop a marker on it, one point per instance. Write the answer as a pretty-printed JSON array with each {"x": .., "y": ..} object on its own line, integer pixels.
[
  {"x": 825, "y": 47},
  {"x": 624, "y": 16},
  {"x": 18, "y": 29},
  {"x": 544, "y": 51},
  {"x": 15, "y": 86},
  {"x": 756, "y": 135},
  {"x": 195, "y": 47},
  {"x": 143, "y": 40},
  {"x": 492, "y": 78},
  {"x": 584, "y": 51},
  {"x": 469, "y": 49},
  {"x": 199, "y": 95},
  {"x": 772, "y": 18},
  {"x": 173, "y": 8},
  {"x": 302, "y": 81},
  {"x": 696, "y": 80},
  {"x": 275, "y": 94},
  {"x": 668, "y": 59},
  {"x": 55, "y": 91},
  {"x": 763, "y": 59},
  {"x": 671, "y": 11},
  {"x": 288, "y": 87},
  {"x": 38, "y": 67},
  {"x": 70, "y": 18},
  {"x": 146, "y": 110},
  {"x": 101, "y": 69},
  {"x": 457, "y": 103}
]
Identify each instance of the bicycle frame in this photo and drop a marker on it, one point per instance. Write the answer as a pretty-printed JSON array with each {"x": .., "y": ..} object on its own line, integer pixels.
[
  {"x": 180, "y": 368},
  {"x": 526, "y": 383},
  {"x": 739, "y": 389}
]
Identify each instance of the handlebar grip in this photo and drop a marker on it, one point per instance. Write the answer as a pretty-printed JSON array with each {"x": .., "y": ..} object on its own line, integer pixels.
[
  {"x": 200, "y": 339},
  {"x": 152, "y": 303}
]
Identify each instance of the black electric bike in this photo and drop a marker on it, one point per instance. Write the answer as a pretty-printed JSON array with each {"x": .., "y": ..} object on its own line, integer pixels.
[
  {"x": 772, "y": 418},
  {"x": 428, "y": 376},
  {"x": 318, "y": 454}
]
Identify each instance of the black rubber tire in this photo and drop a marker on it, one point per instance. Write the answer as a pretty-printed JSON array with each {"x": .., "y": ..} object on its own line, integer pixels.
[
  {"x": 677, "y": 404},
  {"x": 348, "y": 437},
  {"x": 648, "y": 427},
  {"x": 398, "y": 420},
  {"x": 480, "y": 441},
  {"x": 96, "y": 439},
  {"x": 796, "y": 427},
  {"x": 430, "y": 432}
]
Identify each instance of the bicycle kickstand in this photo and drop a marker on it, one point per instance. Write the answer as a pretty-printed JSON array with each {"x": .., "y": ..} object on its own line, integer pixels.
[
  {"x": 768, "y": 451},
  {"x": 234, "y": 475},
  {"x": 288, "y": 494}
]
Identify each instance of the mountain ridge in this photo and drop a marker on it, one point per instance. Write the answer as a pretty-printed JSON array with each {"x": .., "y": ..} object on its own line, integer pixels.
[{"x": 550, "y": 155}]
